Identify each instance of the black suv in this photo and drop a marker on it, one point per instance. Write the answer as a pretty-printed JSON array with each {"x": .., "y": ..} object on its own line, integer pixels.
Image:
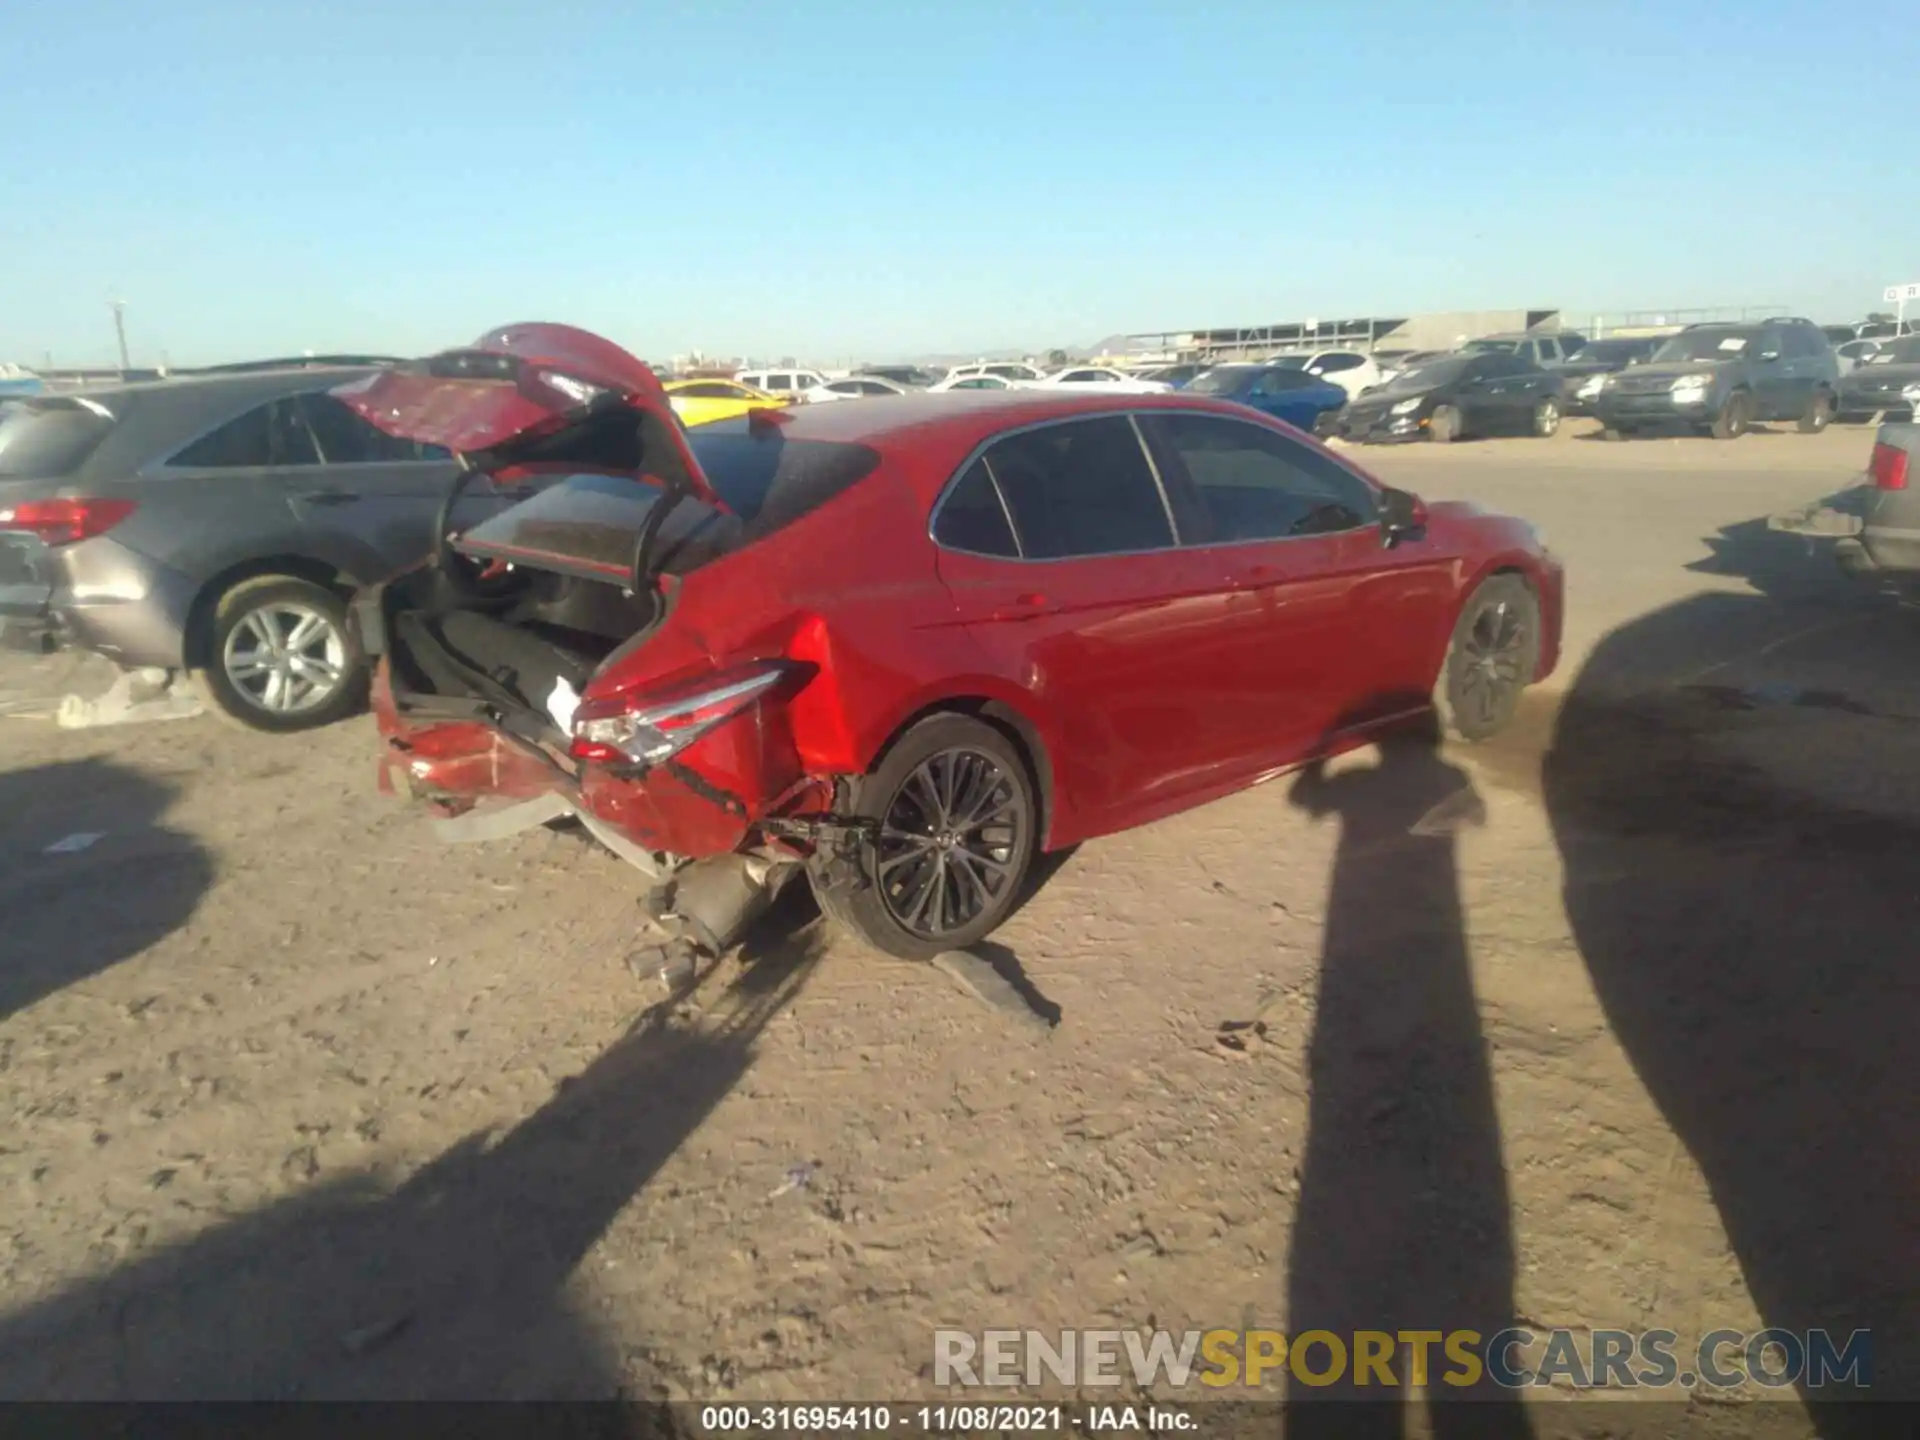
[{"x": 1720, "y": 379}]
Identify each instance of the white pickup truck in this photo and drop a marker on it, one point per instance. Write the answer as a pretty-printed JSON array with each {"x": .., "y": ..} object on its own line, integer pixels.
[{"x": 1877, "y": 528}]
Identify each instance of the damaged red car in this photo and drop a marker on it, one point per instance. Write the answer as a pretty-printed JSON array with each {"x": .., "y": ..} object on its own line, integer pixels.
[{"x": 903, "y": 645}]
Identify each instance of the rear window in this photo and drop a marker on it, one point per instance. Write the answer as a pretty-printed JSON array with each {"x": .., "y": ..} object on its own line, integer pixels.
[
  {"x": 46, "y": 439},
  {"x": 591, "y": 523}
]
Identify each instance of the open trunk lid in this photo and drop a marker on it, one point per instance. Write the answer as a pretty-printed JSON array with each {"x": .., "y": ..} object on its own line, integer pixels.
[{"x": 537, "y": 397}]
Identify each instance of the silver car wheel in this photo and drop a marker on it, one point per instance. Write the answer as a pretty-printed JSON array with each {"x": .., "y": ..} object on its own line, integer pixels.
[{"x": 286, "y": 658}]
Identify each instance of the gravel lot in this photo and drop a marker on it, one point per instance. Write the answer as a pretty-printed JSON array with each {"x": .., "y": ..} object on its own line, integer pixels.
[{"x": 302, "y": 1103}]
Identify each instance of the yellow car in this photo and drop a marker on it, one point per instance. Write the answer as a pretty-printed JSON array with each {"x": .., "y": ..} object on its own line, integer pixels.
[{"x": 700, "y": 402}]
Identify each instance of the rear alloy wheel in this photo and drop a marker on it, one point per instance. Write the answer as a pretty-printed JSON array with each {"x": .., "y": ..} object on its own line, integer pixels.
[
  {"x": 1490, "y": 660},
  {"x": 281, "y": 656},
  {"x": 1546, "y": 418},
  {"x": 956, "y": 829},
  {"x": 1734, "y": 417},
  {"x": 1444, "y": 427},
  {"x": 1819, "y": 412}
]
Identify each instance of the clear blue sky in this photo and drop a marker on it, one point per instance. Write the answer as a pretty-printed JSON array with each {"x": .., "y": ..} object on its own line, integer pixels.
[{"x": 849, "y": 181}]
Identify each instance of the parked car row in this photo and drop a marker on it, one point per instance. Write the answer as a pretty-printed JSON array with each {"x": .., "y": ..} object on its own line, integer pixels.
[{"x": 899, "y": 648}]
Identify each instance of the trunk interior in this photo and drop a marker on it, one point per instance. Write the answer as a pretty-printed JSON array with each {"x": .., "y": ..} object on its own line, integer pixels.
[
  {"x": 455, "y": 654},
  {"x": 506, "y": 643}
]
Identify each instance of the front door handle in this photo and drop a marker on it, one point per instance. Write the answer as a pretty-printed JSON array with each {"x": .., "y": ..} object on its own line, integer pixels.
[{"x": 328, "y": 497}]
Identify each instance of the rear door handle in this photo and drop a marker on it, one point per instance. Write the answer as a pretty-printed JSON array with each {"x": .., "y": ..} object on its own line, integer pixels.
[
  {"x": 328, "y": 497},
  {"x": 1022, "y": 607}
]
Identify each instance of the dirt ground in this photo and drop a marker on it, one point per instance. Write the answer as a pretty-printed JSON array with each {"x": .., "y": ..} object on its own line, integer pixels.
[{"x": 301, "y": 1103}]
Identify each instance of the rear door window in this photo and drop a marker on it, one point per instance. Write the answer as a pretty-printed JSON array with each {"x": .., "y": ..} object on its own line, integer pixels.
[
  {"x": 1080, "y": 488},
  {"x": 1255, "y": 484},
  {"x": 270, "y": 435},
  {"x": 46, "y": 439},
  {"x": 972, "y": 517},
  {"x": 346, "y": 439},
  {"x": 1278, "y": 382}
]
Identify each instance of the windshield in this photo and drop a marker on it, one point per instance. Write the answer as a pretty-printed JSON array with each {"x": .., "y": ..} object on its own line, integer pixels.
[
  {"x": 1489, "y": 347},
  {"x": 1904, "y": 351},
  {"x": 46, "y": 440},
  {"x": 1221, "y": 381},
  {"x": 1443, "y": 371},
  {"x": 1707, "y": 345},
  {"x": 1613, "y": 352}
]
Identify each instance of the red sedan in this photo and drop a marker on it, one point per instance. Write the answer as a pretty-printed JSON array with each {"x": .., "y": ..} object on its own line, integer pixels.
[{"x": 904, "y": 644}]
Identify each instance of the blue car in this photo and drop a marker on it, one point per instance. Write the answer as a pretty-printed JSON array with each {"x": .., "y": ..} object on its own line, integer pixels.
[{"x": 1304, "y": 401}]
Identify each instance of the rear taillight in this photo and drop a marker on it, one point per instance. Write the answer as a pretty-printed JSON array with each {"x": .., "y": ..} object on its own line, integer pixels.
[
  {"x": 62, "y": 522},
  {"x": 653, "y": 726},
  {"x": 1888, "y": 467}
]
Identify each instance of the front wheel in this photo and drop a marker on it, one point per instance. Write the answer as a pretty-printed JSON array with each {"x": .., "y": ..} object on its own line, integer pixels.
[
  {"x": 955, "y": 828},
  {"x": 1444, "y": 426},
  {"x": 1734, "y": 417},
  {"x": 1490, "y": 659},
  {"x": 280, "y": 655}
]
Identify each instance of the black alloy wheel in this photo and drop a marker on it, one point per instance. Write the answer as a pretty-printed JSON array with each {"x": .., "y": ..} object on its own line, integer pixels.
[
  {"x": 955, "y": 827},
  {"x": 948, "y": 843}
]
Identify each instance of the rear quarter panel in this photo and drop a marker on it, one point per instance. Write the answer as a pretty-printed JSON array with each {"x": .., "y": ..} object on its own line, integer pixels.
[{"x": 851, "y": 589}]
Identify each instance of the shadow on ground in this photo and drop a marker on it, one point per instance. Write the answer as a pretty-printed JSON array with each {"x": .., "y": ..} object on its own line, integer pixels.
[
  {"x": 71, "y": 914},
  {"x": 1752, "y": 937},
  {"x": 1403, "y": 1217},
  {"x": 457, "y": 1285}
]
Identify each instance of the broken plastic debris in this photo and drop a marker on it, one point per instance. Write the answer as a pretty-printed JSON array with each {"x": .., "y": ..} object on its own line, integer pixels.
[
  {"x": 74, "y": 843},
  {"x": 371, "y": 1337},
  {"x": 1461, "y": 809},
  {"x": 799, "y": 1177},
  {"x": 136, "y": 695},
  {"x": 561, "y": 704},
  {"x": 981, "y": 980}
]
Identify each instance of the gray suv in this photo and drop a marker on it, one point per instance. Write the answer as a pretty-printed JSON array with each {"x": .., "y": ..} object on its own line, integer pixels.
[
  {"x": 217, "y": 524},
  {"x": 1720, "y": 379}
]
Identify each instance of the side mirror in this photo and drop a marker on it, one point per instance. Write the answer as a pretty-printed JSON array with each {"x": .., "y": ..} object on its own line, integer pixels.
[
  {"x": 1403, "y": 516},
  {"x": 1769, "y": 355}
]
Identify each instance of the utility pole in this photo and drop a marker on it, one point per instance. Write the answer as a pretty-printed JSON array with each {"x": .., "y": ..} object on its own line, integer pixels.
[{"x": 120, "y": 330}]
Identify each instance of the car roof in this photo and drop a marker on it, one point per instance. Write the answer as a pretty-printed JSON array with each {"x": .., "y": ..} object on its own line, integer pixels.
[
  {"x": 154, "y": 418},
  {"x": 895, "y": 422},
  {"x": 236, "y": 385}
]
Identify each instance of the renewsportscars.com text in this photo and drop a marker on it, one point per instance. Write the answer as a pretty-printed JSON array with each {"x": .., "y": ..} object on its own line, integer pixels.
[{"x": 1513, "y": 1358}]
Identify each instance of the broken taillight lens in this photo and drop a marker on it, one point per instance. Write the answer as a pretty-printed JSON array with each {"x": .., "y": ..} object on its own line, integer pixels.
[
  {"x": 650, "y": 727},
  {"x": 1888, "y": 467},
  {"x": 63, "y": 521}
]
